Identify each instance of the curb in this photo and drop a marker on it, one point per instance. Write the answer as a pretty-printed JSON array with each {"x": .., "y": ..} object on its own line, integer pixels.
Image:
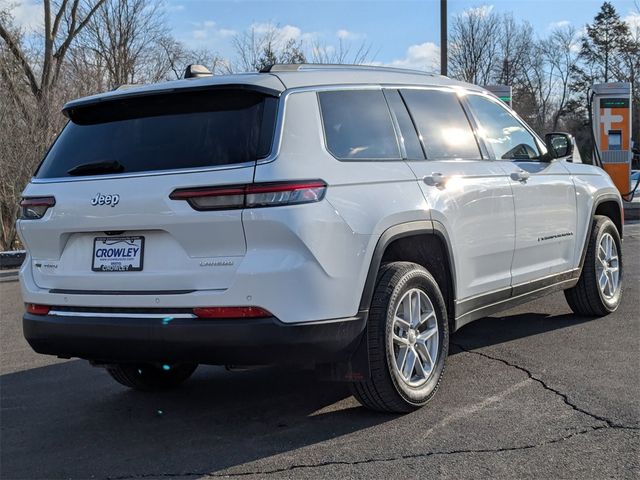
[
  {"x": 12, "y": 259},
  {"x": 631, "y": 211},
  {"x": 8, "y": 275}
]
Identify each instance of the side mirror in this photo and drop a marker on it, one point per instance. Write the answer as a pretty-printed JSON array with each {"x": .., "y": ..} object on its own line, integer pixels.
[{"x": 559, "y": 144}]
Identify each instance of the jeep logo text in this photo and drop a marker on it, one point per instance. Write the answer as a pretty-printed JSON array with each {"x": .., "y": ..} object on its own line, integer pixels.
[{"x": 101, "y": 199}]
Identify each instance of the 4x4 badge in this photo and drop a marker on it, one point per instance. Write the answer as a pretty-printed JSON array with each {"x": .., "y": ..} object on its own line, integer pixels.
[{"x": 101, "y": 199}]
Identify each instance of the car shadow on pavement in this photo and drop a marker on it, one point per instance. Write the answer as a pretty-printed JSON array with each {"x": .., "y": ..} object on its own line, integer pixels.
[
  {"x": 70, "y": 420},
  {"x": 495, "y": 330}
]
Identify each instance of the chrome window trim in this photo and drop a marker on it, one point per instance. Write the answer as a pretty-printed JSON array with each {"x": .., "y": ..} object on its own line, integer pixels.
[
  {"x": 277, "y": 134},
  {"x": 154, "y": 173}
]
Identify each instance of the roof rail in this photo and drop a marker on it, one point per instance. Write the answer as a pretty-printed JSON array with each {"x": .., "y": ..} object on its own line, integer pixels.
[
  {"x": 298, "y": 67},
  {"x": 127, "y": 86}
]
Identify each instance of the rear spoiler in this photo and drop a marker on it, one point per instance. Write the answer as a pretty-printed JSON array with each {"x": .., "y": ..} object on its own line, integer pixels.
[{"x": 125, "y": 94}]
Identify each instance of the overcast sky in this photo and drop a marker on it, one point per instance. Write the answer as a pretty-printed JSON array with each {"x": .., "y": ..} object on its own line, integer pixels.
[{"x": 402, "y": 33}]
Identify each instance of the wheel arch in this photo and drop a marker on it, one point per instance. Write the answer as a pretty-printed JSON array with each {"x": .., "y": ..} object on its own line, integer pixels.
[
  {"x": 608, "y": 205},
  {"x": 423, "y": 242},
  {"x": 612, "y": 209}
]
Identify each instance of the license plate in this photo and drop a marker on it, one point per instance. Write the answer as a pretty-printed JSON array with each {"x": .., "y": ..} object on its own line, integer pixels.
[{"x": 117, "y": 254}]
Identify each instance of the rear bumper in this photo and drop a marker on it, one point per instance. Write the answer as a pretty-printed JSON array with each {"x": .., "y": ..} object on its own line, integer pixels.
[{"x": 216, "y": 342}]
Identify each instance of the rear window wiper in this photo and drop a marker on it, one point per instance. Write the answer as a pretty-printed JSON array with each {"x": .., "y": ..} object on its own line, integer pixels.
[{"x": 96, "y": 168}]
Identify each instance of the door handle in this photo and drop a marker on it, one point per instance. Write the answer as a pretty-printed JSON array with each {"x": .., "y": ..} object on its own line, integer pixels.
[
  {"x": 435, "y": 180},
  {"x": 521, "y": 176}
]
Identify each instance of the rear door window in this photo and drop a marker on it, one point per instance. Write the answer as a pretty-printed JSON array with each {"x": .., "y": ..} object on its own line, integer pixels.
[
  {"x": 443, "y": 126},
  {"x": 358, "y": 125},
  {"x": 163, "y": 132}
]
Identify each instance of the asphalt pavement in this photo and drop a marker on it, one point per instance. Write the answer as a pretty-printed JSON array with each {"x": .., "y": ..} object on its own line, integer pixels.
[{"x": 535, "y": 392}]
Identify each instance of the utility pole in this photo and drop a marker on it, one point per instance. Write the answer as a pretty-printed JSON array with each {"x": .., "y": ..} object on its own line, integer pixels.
[{"x": 443, "y": 37}]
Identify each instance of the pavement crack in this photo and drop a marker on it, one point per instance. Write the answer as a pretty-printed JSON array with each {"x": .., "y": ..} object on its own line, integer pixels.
[
  {"x": 606, "y": 424},
  {"x": 565, "y": 398},
  {"x": 415, "y": 455},
  {"x": 396, "y": 458}
]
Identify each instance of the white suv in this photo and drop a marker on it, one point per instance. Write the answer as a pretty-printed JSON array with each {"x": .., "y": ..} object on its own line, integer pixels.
[{"x": 348, "y": 217}]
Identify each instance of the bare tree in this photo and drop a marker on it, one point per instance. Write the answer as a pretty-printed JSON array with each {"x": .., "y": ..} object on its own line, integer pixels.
[
  {"x": 29, "y": 94},
  {"x": 473, "y": 47},
  {"x": 125, "y": 37},
  {"x": 257, "y": 48},
  {"x": 515, "y": 42},
  {"x": 344, "y": 53},
  {"x": 62, "y": 25},
  {"x": 561, "y": 53}
]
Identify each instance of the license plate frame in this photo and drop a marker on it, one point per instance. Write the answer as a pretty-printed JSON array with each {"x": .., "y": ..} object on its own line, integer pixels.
[{"x": 115, "y": 264}]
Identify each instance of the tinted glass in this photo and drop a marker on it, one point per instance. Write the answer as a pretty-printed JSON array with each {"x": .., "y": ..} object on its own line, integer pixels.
[
  {"x": 163, "y": 132},
  {"x": 407, "y": 129},
  {"x": 442, "y": 124},
  {"x": 502, "y": 131},
  {"x": 357, "y": 125}
]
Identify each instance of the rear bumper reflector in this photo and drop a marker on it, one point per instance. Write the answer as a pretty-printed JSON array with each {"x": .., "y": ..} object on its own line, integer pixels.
[{"x": 36, "y": 309}]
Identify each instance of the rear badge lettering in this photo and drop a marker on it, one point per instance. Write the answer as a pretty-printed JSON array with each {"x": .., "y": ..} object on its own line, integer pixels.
[
  {"x": 216, "y": 263},
  {"x": 101, "y": 199}
]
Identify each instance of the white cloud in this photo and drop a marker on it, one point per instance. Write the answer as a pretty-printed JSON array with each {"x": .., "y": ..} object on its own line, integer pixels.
[
  {"x": 209, "y": 29},
  {"x": 289, "y": 32},
  {"x": 424, "y": 56},
  {"x": 200, "y": 34},
  {"x": 343, "y": 34},
  {"x": 481, "y": 11},
  {"x": 633, "y": 20},
  {"x": 559, "y": 24},
  {"x": 27, "y": 14},
  {"x": 282, "y": 35},
  {"x": 323, "y": 51}
]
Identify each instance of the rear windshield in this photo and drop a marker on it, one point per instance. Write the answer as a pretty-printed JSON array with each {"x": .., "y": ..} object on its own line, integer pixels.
[{"x": 163, "y": 132}]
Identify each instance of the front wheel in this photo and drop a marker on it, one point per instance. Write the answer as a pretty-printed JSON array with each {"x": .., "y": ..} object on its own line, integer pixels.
[
  {"x": 148, "y": 376},
  {"x": 599, "y": 289},
  {"x": 408, "y": 339}
]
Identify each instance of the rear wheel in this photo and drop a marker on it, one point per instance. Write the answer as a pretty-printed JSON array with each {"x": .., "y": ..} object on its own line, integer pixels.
[
  {"x": 408, "y": 339},
  {"x": 599, "y": 290},
  {"x": 151, "y": 377}
]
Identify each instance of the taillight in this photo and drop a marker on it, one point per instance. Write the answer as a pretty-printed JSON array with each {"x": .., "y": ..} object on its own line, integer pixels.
[
  {"x": 36, "y": 309},
  {"x": 231, "y": 312},
  {"x": 252, "y": 196},
  {"x": 33, "y": 208}
]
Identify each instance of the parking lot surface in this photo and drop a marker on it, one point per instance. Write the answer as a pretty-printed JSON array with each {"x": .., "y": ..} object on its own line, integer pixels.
[{"x": 535, "y": 392}]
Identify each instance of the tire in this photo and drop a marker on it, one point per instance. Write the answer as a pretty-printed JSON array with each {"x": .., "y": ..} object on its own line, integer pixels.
[
  {"x": 587, "y": 297},
  {"x": 148, "y": 377},
  {"x": 389, "y": 388}
]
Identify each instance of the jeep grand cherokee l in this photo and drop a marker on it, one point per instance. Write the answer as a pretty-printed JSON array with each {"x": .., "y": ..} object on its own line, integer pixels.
[{"x": 350, "y": 217}]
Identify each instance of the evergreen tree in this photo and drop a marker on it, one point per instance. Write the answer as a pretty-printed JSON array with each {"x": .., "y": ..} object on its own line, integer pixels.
[{"x": 604, "y": 46}]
